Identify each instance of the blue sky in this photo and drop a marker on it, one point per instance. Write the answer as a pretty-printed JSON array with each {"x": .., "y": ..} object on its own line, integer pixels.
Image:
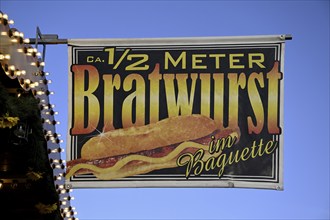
[{"x": 306, "y": 98}]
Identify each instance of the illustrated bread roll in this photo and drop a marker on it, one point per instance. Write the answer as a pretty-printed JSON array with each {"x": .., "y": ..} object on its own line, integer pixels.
[
  {"x": 138, "y": 150},
  {"x": 134, "y": 139}
]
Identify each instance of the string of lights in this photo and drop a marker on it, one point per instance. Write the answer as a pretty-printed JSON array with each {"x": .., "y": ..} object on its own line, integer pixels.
[{"x": 22, "y": 62}]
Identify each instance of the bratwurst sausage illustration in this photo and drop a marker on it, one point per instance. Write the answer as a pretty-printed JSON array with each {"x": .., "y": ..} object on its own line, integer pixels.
[{"x": 137, "y": 150}]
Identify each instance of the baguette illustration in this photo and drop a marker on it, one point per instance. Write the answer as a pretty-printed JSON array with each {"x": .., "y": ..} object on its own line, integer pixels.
[{"x": 137, "y": 150}]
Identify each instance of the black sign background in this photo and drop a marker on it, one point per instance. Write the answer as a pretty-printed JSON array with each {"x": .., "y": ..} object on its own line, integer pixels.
[{"x": 259, "y": 169}]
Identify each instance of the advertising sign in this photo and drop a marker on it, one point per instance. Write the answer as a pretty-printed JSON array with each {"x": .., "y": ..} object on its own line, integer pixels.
[{"x": 181, "y": 112}]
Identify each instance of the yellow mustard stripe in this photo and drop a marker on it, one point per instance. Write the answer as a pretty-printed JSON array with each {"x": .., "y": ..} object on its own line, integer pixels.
[
  {"x": 144, "y": 168},
  {"x": 135, "y": 170},
  {"x": 126, "y": 160}
]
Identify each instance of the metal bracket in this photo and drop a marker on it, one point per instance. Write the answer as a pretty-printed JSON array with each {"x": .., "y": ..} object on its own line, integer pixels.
[{"x": 45, "y": 39}]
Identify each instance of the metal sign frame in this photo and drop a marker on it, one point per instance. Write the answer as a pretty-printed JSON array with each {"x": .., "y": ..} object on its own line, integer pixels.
[{"x": 77, "y": 49}]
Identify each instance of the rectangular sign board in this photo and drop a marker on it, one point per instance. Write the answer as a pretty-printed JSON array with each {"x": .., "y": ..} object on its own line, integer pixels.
[{"x": 176, "y": 112}]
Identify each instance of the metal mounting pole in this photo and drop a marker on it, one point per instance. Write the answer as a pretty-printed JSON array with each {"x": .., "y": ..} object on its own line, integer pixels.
[
  {"x": 288, "y": 37},
  {"x": 45, "y": 39},
  {"x": 49, "y": 39}
]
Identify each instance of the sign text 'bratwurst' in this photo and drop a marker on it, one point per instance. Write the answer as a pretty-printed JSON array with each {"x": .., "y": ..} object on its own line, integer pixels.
[
  {"x": 87, "y": 81},
  {"x": 176, "y": 112}
]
